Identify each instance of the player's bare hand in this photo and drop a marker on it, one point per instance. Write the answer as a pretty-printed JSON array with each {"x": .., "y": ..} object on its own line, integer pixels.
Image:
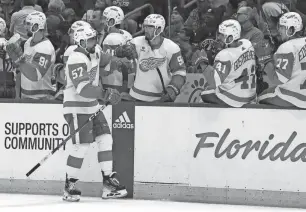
[{"x": 113, "y": 96}]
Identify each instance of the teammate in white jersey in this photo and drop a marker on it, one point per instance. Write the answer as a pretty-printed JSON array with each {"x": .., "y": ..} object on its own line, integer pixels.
[
  {"x": 120, "y": 80},
  {"x": 287, "y": 70},
  {"x": 231, "y": 80},
  {"x": 112, "y": 18},
  {"x": 37, "y": 60},
  {"x": 80, "y": 102},
  {"x": 58, "y": 71},
  {"x": 160, "y": 70}
]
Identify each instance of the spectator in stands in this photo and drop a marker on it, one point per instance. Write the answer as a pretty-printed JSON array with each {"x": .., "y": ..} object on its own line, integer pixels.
[
  {"x": 37, "y": 60},
  {"x": 176, "y": 25},
  {"x": 176, "y": 34},
  {"x": 80, "y": 6},
  {"x": 248, "y": 31},
  {"x": 56, "y": 22},
  {"x": 203, "y": 21},
  {"x": 43, "y": 4},
  {"x": 19, "y": 4},
  {"x": 18, "y": 19},
  {"x": 272, "y": 11},
  {"x": 94, "y": 17},
  {"x": 70, "y": 16}
]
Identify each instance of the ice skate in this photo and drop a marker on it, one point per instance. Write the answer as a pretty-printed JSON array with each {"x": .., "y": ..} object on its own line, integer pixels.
[
  {"x": 112, "y": 188},
  {"x": 71, "y": 194}
]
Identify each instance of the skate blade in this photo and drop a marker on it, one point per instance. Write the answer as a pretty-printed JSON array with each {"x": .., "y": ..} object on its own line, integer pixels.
[
  {"x": 71, "y": 198},
  {"x": 114, "y": 194}
]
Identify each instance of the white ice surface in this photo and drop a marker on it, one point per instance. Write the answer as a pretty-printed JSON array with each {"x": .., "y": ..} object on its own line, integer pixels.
[{"x": 33, "y": 203}]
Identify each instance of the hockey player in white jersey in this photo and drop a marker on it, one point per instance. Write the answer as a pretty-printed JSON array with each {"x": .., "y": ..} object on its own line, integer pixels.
[
  {"x": 161, "y": 71},
  {"x": 58, "y": 70},
  {"x": 112, "y": 18},
  {"x": 74, "y": 27},
  {"x": 81, "y": 97},
  {"x": 287, "y": 69},
  {"x": 120, "y": 80},
  {"x": 231, "y": 80},
  {"x": 35, "y": 63}
]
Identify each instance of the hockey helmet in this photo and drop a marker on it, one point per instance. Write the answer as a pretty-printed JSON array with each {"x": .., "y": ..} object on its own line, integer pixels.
[
  {"x": 230, "y": 28},
  {"x": 291, "y": 20},
  {"x": 156, "y": 20},
  {"x": 36, "y": 18},
  {"x": 127, "y": 36},
  {"x": 84, "y": 33},
  {"x": 113, "y": 13},
  {"x": 77, "y": 25}
]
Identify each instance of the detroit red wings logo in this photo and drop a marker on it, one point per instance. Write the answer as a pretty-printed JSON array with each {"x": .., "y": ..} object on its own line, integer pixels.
[
  {"x": 93, "y": 73},
  {"x": 151, "y": 63}
]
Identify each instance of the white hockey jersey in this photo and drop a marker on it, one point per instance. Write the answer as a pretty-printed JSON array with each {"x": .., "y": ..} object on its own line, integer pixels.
[
  {"x": 80, "y": 71},
  {"x": 148, "y": 86},
  {"x": 118, "y": 80},
  {"x": 234, "y": 79},
  {"x": 42, "y": 57},
  {"x": 68, "y": 52},
  {"x": 290, "y": 63}
]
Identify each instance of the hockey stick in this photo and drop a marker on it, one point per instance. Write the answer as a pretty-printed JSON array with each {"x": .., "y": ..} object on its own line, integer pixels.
[
  {"x": 162, "y": 80},
  {"x": 66, "y": 140}
]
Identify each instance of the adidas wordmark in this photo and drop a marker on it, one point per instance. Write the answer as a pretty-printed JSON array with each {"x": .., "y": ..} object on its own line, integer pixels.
[{"x": 123, "y": 122}]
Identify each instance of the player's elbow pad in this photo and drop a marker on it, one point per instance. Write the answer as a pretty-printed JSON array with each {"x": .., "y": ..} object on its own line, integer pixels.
[
  {"x": 91, "y": 92},
  {"x": 30, "y": 72}
]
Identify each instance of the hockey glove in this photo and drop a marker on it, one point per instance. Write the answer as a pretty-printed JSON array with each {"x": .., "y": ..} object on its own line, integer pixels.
[
  {"x": 14, "y": 49},
  {"x": 123, "y": 64},
  {"x": 169, "y": 96},
  {"x": 128, "y": 51},
  {"x": 199, "y": 57},
  {"x": 112, "y": 96},
  {"x": 58, "y": 74}
]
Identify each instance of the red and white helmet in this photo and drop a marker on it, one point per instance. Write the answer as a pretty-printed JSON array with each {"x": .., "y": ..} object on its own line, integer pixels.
[
  {"x": 83, "y": 34},
  {"x": 230, "y": 28},
  {"x": 291, "y": 20},
  {"x": 38, "y": 18},
  {"x": 127, "y": 36},
  {"x": 77, "y": 25},
  {"x": 115, "y": 13},
  {"x": 156, "y": 20},
  {"x": 2, "y": 26}
]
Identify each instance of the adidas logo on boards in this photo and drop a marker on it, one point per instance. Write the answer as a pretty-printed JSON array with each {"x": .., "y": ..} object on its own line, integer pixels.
[{"x": 123, "y": 122}]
